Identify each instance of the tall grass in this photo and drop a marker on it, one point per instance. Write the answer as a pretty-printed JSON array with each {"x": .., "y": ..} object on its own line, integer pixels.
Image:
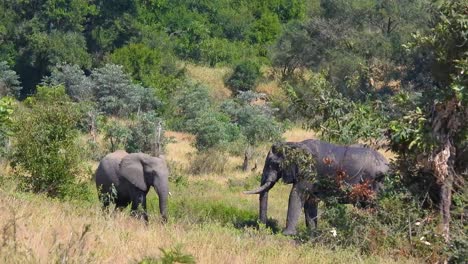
[{"x": 209, "y": 218}]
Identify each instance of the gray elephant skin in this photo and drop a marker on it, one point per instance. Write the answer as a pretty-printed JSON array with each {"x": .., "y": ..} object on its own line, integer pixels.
[
  {"x": 126, "y": 179},
  {"x": 360, "y": 163}
]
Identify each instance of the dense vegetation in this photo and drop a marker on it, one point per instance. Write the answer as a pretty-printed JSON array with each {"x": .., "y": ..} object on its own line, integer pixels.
[{"x": 81, "y": 78}]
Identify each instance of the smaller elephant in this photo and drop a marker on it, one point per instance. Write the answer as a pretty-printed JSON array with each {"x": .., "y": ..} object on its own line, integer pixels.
[{"x": 125, "y": 179}]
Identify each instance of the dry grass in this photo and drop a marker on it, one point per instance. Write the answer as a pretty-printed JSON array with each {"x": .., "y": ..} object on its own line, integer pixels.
[
  {"x": 212, "y": 77},
  {"x": 50, "y": 231},
  {"x": 270, "y": 88},
  {"x": 298, "y": 134}
]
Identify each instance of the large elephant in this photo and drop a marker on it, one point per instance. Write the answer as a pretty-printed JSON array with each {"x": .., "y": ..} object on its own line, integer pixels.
[
  {"x": 126, "y": 178},
  {"x": 354, "y": 164}
]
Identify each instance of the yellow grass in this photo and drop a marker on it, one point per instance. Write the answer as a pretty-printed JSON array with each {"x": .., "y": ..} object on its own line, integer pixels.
[
  {"x": 298, "y": 134},
  {"x": 49, "y": 231},
  {"x": 212, "y": 77}
]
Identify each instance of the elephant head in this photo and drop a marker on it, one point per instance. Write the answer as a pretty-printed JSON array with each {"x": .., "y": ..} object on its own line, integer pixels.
[
  {"x": 144, "y": 171},
  {"x": 274, "y": 170}
]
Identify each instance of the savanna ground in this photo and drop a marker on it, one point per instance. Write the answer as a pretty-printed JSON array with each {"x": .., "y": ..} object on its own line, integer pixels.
[{"x": 210, "y": 218}]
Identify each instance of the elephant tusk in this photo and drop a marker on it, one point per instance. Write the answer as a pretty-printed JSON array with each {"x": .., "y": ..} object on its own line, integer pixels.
[
  {"x": 263, "y": 188},
  {"x": 170, "y": 194}
]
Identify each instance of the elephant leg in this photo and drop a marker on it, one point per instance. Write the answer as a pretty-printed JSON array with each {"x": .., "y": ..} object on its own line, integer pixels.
[
  {"x": 310, "y": 211},
  {"x": 139, "y": 198},
  {"x": 294, "y": 210}
]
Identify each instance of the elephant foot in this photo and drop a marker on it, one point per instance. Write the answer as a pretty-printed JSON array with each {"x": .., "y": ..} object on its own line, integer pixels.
[{"x": 289, "y": 232}]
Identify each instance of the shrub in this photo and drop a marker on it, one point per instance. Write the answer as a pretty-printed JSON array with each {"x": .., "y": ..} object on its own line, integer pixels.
[
  {"x": 143, "y": 134},
  {"x": 77, "y": 85},
  {"x": 117, "y": 133},
  {"x": 244, "y": 77},
  {"x": 152, "y": 66},
  {"x": 209, "y": 161},
  {"x": 117, "y": 95},
  {"x": 213, "y": 128},
  {"x": 173, "y": 255},
  {"x": 6, "y": 115},
  {"x": 45, "y": 152},
  {"x": 9, "y": 81}
]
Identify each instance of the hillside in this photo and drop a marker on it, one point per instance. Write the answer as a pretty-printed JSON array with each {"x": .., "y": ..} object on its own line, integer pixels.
[{"x": 226, "y": 90}]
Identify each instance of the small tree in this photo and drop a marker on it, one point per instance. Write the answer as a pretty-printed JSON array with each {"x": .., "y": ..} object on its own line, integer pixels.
[
  {"x": 6, "y": 116},
  {"x": 115, "y": 93},
  {"x": 244, "y": 77},
  {"x": 212, "y": 129},
  {"x": 77, "y": 85},
  {"x": 143, "y": 134},
  {"x": 256, "y": 122},
  {"x": 9, "y": 81},
  {"x": 45, "y": 151},
  {"x": 117, "y": 133}
]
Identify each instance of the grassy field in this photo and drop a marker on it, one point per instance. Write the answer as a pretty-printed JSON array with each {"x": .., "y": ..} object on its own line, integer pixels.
[{"x": 210, "y": 218}]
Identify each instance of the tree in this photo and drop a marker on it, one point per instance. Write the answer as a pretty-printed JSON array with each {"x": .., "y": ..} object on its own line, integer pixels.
[
  {"x": 6, "y": 121},
  {"x": 437, "y": 131},
  {"x": 256, "y": 122},
  {"x": 154, "y": 67},
  {"x": 9, "y": 81},
  {"x": 244, "y": 77},
  {"x": 77, "y": 85},
  {"x": 212, "y": 129},
  {"x": 45, "y": 152},
  {"x": 115, "y": 93}
]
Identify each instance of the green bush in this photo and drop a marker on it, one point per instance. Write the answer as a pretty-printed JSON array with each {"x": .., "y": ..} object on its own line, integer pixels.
[
  {"x": 46, "y": 155},
  {"x": 6, "y": 115},
  {"x": 143, "y": 131},
  {"x": 173, "y": 255},
  {"x": 244, "y": 77},
  {"x": 116, "y": 133},
  {"x": 212, "y": 129}
]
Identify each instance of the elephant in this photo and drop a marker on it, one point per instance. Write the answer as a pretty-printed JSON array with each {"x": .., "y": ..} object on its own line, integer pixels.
[
  {"x": 126, "y": 178},
  {"x": 355, "y": 164}
]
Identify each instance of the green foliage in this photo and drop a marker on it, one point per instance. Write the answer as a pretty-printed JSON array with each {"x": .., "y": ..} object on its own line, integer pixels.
[
  {"x": 58, "y": 47},
  {"x": 215, "y": 51},
  {"x": 9, "y": 81},
  {"x": 143, "y": 135},
  {"x": 265, "y": 29},
  {"x": 173, "y": 255},
  {"x": 212, "y": 129},
  {"x": 191, "y": 101},
  {"x": 244, "y": 77},
  {"x": 6, "y": 121},
  {"x": 337, "y": 118},
  {"x": 396, "y": 221},
  {"x": 117, "y": 95},
  {"x": 45, "y": 151},
  {"x": 256, "y": 122},
  {"x": 116, "y": 133},
  {"x": 77, "y": 85},
  {"x": 154, "y": 67}
]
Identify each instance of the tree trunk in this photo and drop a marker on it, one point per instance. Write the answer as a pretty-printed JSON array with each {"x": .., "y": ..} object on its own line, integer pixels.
[
  {"x": 445, "y": 203},
  {"x": 245, "y": 165}
]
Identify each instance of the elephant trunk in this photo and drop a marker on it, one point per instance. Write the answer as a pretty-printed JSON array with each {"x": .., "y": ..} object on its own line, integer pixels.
[
  {"x": 269, "y": 179},
  {"x": 162, "y": 188}
]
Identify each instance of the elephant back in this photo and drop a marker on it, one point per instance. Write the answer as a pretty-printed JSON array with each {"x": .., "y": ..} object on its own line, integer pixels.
[
  {"x": 356, "y": 161},
  {"x": 107, "y": 172}
]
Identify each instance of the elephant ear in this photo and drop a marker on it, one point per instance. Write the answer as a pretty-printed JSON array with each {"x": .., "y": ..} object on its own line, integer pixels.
[{"x": 131, "y": 169}]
